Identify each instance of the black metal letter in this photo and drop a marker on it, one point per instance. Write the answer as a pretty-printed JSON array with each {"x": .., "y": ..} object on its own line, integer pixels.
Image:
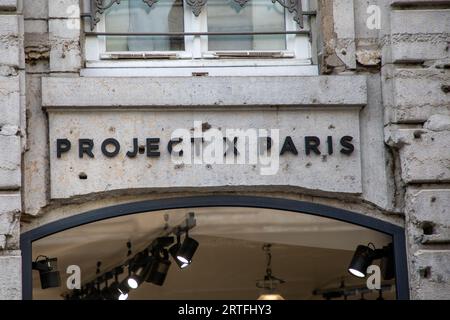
[
  {"x": 170, "y": 146},
  {"x": 115, "y": 143},
  {"x": 133, "y": 154},
  {"x": 153, "y": 147},
  {"x": 85, "y": 146},
  {"x": 312, "y": 144},
  {"x": 288, "y": 146},
  {"x": 348, "y": 147},
  {"x": 330, "y": 145},
  {"x": 231, "y": 144},
  {"x": 62, "y": 145}
]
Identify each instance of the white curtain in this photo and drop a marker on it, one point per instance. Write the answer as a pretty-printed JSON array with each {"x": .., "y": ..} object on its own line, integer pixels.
[
  {"x": 137, "y": 16},
  {"x": 223, "y": 16},
  {"x": 255, "y": 16}
]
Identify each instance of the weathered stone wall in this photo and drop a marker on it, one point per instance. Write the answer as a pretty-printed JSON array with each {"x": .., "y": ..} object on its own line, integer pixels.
[
  {"x": 416, "y": 78},
  {"x": 12, "y": 129},
  {"x": 405, "y": 127}
]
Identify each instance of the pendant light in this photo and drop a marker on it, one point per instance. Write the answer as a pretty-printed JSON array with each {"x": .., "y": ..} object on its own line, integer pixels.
[{"x": 270, "y": 283}]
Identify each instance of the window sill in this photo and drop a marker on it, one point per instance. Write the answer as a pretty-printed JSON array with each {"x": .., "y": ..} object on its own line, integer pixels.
[
  {"x": 93, "y": 93},
  {"x": 190, "y": 67}
]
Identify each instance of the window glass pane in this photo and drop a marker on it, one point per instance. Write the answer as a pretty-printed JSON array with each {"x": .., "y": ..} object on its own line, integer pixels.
[
  {"x": 137, "y": 16},
  {"x": 255, "y": 16}
]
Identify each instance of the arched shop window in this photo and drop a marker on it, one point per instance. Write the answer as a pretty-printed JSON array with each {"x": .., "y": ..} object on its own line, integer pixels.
[
  {"x": 224, "y": 252},
  {"x": 213, "y": 29}
]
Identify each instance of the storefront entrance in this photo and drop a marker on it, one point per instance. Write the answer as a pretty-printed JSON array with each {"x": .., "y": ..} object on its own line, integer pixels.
[{"x": 248, "y": 248}]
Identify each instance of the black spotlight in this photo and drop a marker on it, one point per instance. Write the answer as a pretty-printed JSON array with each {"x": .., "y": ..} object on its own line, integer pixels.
[
  {"x": 362, "y": 259},
  {"x": 140, "y": 269},
  {"x": 364, "y": 256},
  {"x": 113, "y": 291},
  {"x": 48, "y": 272},
  {"x": 124, "y": 289},
  {"x": 187, "y": 250},
  {"x": 119, "y": 289},
  {"x": 173, "y": 252},
  {"x": 160, "y": 267}
]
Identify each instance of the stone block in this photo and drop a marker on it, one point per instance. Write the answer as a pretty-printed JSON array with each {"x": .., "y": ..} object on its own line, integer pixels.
[
  {"x": 10, "y": 41},
  {"x": 36, "y": 9},
  {"x": 67, "y": 29},
  {"x": 10, "y": 162},
  {"x": 35, "y": 168},
  {"x": 344, "y": 28},
  {"x": 430, "y": 275},
  {"x": 10, "y": 208},
  {"x": 375, "y": 165},
  {"x": 64, "y": 9},
  {"x": 36, "y": 26},
  {"x": 10, "y": 277},
  {"x": 417, "y": 94},
  {"x": 424, "y": 156},
  {"x": 65, "y": 57},
  {"x": 65, "y": 54},
  {"x": 9, "y": 100},
  {"x": 420, "y": 34},
  {"x": 190, "y": 91},
  {"x": 333, "y": 172},
  {"x": 428, "y": 212}
]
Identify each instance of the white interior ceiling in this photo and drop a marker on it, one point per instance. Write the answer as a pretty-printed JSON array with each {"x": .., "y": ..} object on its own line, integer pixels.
[{"x": 309, "y": 252}]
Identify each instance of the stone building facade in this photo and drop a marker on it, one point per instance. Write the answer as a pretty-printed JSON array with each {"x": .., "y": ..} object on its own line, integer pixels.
[{"x": 386, "y": 81}]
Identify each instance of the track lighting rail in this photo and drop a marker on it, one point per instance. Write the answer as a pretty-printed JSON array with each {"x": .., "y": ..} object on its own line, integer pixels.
[{"x": 150, "y": 265}]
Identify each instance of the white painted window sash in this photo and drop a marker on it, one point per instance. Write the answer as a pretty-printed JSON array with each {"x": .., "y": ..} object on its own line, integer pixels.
[{"x": 298, "y": 47}]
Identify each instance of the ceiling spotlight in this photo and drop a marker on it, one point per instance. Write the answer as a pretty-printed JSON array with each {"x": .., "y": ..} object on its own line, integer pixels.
[
  {"x": 116, "y": 289},
  {"x": 361, "y": 260},
  {"x": 364, "y": 256},
  {"x": 160, "y": 267},
  {"x": 173, "y": 252},
  {"x": 114, "y": 292},
  {"x": 133, "y": 283},
  {"x": 48, "y": 273},
  {"x": 124, "y": 289},
  {"x": 187, "y": 250},
  {"x": 123, "y": 296},
  {"x": 140, "y": 269}
]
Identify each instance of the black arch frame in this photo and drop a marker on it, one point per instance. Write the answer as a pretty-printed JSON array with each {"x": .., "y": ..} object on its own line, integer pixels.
[{"x": 397, "y": 233}]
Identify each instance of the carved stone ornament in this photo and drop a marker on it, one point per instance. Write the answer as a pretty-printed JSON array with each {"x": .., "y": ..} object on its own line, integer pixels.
[
  {"x": 98, "y": 7},
  {"x": 196, "y": 6},
  {"x": 241, "y": 2},
  {"x": 293, "y": 6},
  {"x": 150, "y": 2}
]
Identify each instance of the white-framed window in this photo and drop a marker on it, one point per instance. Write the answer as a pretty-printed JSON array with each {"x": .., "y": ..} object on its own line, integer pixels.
[{"x": 219, "y": 33}]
